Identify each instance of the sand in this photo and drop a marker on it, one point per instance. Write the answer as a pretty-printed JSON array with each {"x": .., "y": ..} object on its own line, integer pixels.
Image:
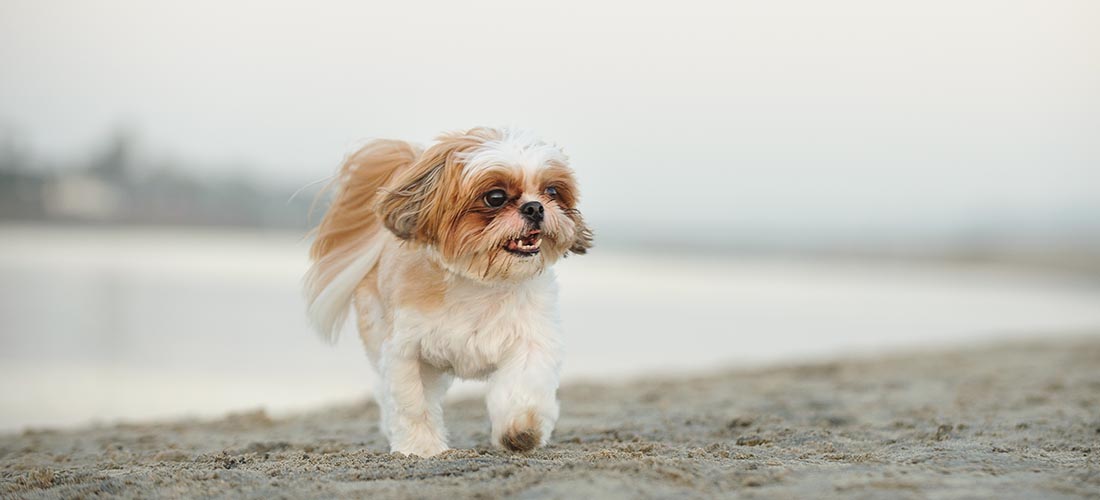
[{"x": 1017, "y": 420}]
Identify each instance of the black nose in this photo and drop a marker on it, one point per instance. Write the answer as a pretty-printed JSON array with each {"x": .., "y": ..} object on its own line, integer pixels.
[{"x": 532, "y": 211}]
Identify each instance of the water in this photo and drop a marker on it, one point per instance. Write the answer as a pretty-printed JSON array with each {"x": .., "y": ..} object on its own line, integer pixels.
[{"x": 98, "y": 325}]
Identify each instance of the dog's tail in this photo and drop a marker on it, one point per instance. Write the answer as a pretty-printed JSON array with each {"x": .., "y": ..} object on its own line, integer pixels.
[{"x": 350, "y": 238}]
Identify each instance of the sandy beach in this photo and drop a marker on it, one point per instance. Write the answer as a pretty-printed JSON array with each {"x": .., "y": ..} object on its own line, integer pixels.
[{"x": 1017, "y": 420}]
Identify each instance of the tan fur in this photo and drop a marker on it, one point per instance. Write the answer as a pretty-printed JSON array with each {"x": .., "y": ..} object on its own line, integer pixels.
[
  {"x": 524, "y": 434},
  {"x": 351, "y": 219},
  {"x": 423, "y": 286},
  {"x": 417, "y": 204},
  {"x": 361, "y": 176}
]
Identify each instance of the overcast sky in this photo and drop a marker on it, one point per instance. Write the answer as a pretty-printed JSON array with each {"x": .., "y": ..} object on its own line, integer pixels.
[{"x": 785, "y": 115}]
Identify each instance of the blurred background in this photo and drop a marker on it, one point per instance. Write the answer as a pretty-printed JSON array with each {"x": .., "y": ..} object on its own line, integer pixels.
[{"x": 769, "y": 181}]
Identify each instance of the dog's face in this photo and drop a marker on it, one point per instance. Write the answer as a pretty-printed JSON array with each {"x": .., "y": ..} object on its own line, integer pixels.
[{"x": 493, "y": 205}]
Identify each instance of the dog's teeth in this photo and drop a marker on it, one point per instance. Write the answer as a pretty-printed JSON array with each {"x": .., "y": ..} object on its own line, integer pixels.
[{"x": 526, "y": 244}]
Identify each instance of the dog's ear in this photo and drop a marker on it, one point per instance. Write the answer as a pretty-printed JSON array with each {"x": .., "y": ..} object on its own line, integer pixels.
[
  {"x": 583, "y": 240},
  {"x": 401, "y": 207},
  {"x": 410, "y": 205},
  {"x": 404, "y": 206}
]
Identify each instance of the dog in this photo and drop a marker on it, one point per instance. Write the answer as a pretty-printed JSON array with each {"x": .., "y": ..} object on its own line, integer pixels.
[{"x": 445, "y": 256}]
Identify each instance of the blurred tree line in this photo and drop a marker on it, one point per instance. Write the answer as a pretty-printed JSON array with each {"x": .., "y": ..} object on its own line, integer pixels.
[{"x": 115, "y": 185}]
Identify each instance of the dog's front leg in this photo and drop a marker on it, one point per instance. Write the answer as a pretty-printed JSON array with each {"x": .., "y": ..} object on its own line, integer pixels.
[
  {"x": 523, "y": 397},
  {"x": 412, "y": 394}
]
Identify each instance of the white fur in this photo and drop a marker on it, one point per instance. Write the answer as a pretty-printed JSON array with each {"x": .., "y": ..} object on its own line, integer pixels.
[
  {"x": 518, "y": 148},
  {"x": 504, "y": 333},
  {"x": 329, "y": 310}
]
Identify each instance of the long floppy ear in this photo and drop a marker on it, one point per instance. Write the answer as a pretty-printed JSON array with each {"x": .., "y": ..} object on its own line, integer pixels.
[
  {"x": 402, "y": 207},
  {"x": 583, "y": 240},
  {"x": 410, "y": 205}
]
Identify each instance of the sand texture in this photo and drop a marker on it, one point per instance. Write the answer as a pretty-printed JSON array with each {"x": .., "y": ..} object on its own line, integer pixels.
[{"x": 1015, "y": 420}]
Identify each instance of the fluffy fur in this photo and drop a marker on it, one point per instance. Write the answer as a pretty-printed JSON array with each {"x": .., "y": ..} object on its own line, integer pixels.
[{"x": 445, "y": 284}]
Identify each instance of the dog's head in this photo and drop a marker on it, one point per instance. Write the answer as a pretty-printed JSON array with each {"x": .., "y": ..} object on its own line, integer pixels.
[{"x": 493, "y": 205}]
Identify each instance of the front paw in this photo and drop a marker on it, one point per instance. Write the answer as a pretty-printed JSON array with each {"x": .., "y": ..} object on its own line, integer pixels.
[{"x": 524, "y": 433}]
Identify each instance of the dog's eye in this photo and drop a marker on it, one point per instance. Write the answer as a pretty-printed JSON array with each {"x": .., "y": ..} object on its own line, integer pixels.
[
  {"x": 552, "y": 192},
  {"x": 496, "y": 198}
]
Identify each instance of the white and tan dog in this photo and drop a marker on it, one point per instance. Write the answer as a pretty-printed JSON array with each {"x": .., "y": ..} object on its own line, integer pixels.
[{"x": 445, "y": 254}]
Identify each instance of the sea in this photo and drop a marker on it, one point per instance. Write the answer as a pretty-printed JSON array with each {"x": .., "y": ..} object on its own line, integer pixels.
[{"x": 106, "y": 325}]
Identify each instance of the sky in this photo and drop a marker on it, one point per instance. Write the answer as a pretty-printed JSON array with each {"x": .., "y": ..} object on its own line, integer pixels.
[{"x": 789, "y": 118}]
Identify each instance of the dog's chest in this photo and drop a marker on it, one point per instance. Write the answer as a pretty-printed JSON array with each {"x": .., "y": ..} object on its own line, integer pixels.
[{"x": 475, "y": 332}]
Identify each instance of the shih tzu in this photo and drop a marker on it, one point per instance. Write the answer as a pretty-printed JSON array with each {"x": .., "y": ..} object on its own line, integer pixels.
[{"x": 446, "y": 256}]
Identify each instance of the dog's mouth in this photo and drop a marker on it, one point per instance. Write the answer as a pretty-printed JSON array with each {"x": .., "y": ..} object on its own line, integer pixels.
[{"x": 526, "y": 245}]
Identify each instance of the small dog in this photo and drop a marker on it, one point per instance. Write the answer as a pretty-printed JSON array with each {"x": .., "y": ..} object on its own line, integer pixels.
[{"x": 446, "y": 254}]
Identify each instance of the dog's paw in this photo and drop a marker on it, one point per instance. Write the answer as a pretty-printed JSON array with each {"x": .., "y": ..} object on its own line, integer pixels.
[
  {"x": 423, "y": 450},
  {"x": 524, "y": 433}
]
